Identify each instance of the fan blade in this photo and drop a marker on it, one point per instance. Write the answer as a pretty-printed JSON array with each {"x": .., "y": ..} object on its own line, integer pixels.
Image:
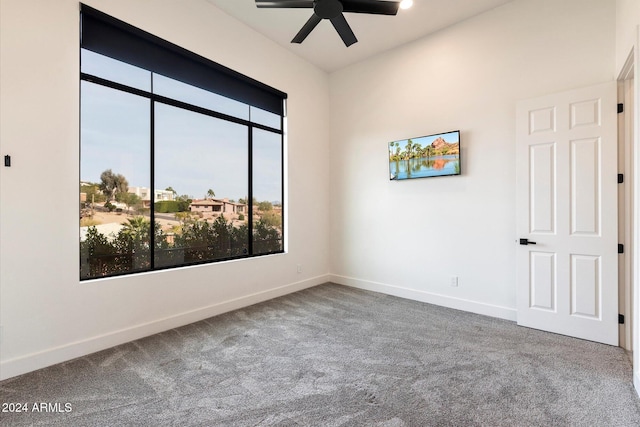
[
  {"x": 308, "y": 4},
  {"x": 308, "y": 27},
  {"x": 371, "y": 6},
  {"x": 343, "y": 28}
]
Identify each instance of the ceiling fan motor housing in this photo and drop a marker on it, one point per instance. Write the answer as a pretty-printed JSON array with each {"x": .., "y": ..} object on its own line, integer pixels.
[{"x": 327, "y": 9}]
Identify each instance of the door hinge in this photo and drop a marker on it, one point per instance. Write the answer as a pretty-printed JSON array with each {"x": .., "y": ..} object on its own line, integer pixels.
[
  {"x": 620, "y": 178},
  {"x": 621, "y": 319},
  {"x": 620, "y": 248},
  {"x": 620, "y": 108}
]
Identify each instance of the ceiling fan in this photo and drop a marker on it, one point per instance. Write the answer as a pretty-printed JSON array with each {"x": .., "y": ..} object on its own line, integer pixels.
[{"x": 333, "y": 11}]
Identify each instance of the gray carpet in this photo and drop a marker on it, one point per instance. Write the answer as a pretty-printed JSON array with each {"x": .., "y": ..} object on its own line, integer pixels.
[{"x": 336, "y": 356}]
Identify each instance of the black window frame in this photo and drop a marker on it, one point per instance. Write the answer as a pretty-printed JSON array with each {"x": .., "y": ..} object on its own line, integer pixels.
[{"x": 108, "y": 36}]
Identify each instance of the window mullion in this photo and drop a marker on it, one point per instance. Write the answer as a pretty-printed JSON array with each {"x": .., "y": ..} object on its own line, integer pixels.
[
  {"x": 250, "y": 190},
  {"x": 282, "y": 174},
  {"x": 152, "y": 191}
]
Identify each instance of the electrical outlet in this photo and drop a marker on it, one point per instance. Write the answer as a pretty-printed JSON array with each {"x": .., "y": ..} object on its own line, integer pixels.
[
  {"x": 299, "y": 268},
  {"x": 454, "y": 281}
]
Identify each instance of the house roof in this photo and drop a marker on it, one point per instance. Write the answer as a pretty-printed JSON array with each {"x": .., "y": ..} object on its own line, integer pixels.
[
  {"x": 206, "y": 202},
  {"x": 215, "y": 202}
]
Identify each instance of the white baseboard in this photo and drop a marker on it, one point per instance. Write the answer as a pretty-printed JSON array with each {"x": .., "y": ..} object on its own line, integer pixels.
[
  {"x": 636, "y": 382},
  {"x": 31, "y": 362},
  {"x": 428, "y": 297}
]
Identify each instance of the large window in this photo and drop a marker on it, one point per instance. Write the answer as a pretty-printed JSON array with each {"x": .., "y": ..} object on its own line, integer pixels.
[{"x": 181, "y": 159}]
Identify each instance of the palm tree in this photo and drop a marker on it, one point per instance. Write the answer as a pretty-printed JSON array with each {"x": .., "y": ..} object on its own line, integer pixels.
[
  {"x": 211, "y": 194},
  {"x": 391, "y": 145},
  {"x": 409, "y": 149},
  {"x": 133, "y": 242},
  {"x": 418, "y": 149},
  {"x": 175, "y": 193},
  {"x": 137, "y": 228}
]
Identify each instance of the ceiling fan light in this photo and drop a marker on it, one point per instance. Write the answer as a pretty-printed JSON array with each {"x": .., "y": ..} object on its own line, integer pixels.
[{"x": 406, "y": 4}]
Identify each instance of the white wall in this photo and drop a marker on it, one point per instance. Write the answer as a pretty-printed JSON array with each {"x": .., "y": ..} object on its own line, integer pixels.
[
  {"x": 408, "y": 238},
  {"x": 46, "y": 314}
]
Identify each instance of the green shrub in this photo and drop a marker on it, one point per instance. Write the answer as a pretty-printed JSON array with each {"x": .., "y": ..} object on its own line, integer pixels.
[{"x": 167, "y": 206}]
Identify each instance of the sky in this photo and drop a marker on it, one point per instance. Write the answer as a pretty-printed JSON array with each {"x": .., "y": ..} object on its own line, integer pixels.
[
  {"x": 193, "y": 152},
  {"x": 450, "y": 137}
]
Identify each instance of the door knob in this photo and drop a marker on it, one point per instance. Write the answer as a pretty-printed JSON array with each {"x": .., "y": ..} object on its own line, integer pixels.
[{"x": 526, "y": 242}]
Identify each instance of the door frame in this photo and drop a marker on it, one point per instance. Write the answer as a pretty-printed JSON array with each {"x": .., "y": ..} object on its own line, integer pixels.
[
  {"x": 626, "y": 196},
  {"x": 632, "y": 68}
]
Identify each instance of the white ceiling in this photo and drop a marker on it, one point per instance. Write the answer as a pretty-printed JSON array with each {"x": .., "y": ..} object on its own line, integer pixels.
[{"x": 375, "y": 33}]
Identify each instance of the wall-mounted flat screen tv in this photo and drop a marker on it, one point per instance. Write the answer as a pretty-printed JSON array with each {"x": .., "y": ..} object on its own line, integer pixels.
[{"x": 425, "y": 156}]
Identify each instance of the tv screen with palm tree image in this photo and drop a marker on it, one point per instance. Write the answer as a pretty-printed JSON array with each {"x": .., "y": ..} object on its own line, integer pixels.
[{"x": 425, "y": 156}]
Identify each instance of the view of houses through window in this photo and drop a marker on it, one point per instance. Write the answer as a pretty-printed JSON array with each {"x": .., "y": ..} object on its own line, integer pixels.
[{"x": 171, "y": 174}]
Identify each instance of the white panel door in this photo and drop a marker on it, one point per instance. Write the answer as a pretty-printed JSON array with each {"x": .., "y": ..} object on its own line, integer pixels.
[{"x": 566, "y": 171}]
